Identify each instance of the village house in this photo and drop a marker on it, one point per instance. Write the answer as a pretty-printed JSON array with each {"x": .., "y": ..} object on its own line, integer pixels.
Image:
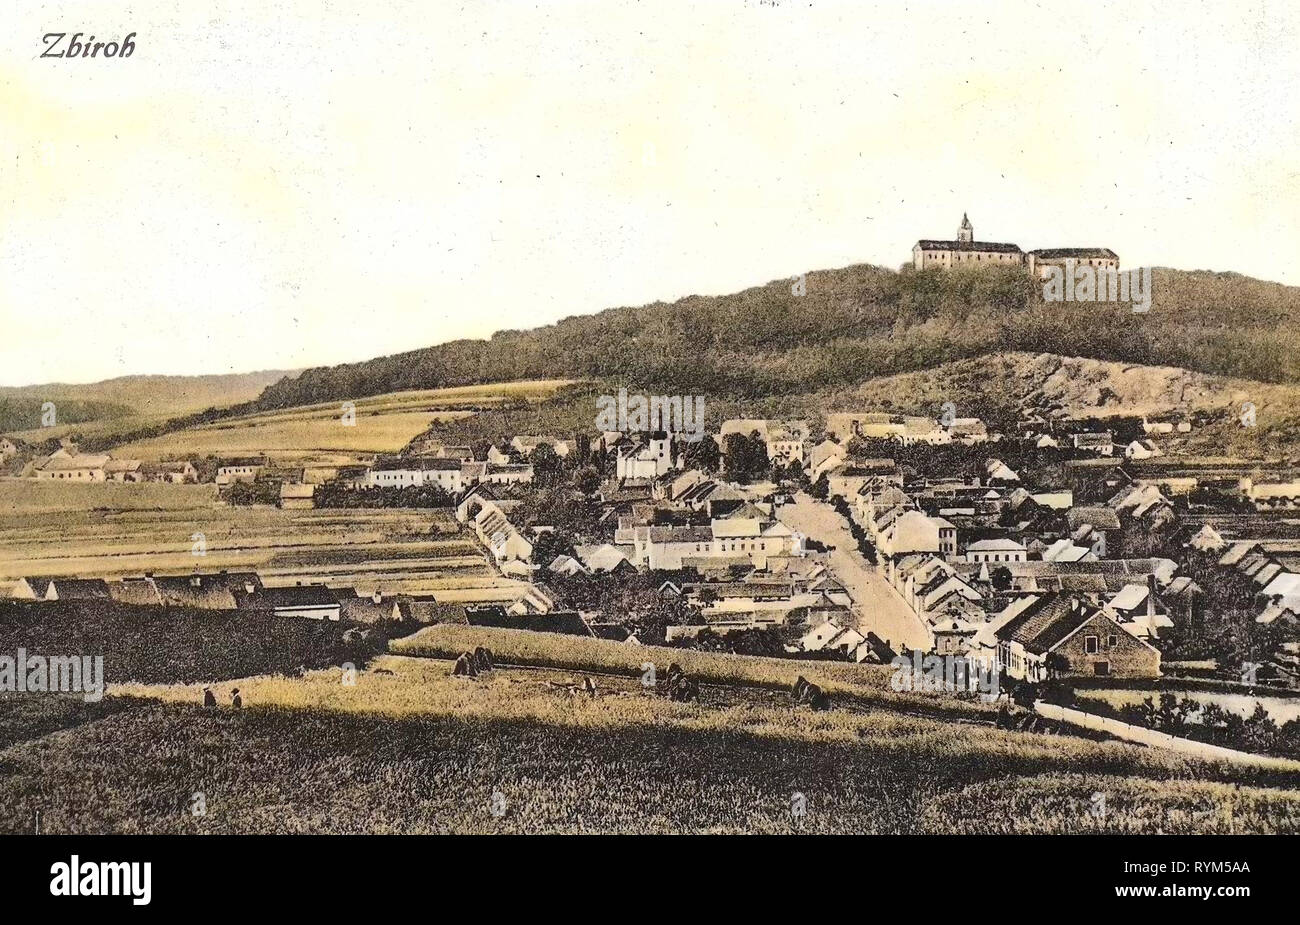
[
  {"x": 207, "y": 591},
  {"x": 123, "y": 470},
  {"x": 604, "y": 557},
  {"x": 304, "y": 602},
  {"x": 1002, "y": 549},
  {"x": 1058, "y": 634},
  {"x": 78, "y": 589},
  {"x": 9, "y": 448},
  {"x": 415, "y": 471},
  {"x": 510, "y": 548},
  {"x": 746, "y": 536},
  {"x": 823, "y": 457},
  {"x": 177, "y": 473},
  {"x": 509, "y": 474},
  {"x": 76, "y": 467},
  {"x": 245, "y": 469},
  {"x": 1142, "y": 449},
  {"x": 1099, "y": 442},
  {"x": 1090, "y": 525},
  {"x": 296, "y": 496},
  {"x": 1140, "y": 610},
  {"x": 30, "y": 588},
  {"x": 912, "y": 531}
]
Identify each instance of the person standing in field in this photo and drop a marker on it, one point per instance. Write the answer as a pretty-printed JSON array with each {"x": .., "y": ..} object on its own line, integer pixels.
[
  {"x": 209, "y": 699},
  {"x": 235, "y": 700}
]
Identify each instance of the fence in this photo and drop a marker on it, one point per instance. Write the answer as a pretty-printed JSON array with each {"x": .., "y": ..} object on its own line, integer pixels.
[{"x": 1144, "y": 736}]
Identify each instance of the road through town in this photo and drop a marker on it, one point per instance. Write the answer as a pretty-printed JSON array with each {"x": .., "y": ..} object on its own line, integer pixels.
[{"x": 878, "y": 607}]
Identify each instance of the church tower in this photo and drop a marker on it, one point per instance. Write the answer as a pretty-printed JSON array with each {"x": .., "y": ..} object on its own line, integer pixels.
[{"x": 967, "y": 231}]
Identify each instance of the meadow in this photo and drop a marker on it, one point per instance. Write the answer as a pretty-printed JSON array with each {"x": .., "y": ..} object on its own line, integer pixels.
[
  {"x": 523, "y": 750},
  {"x": 862, "y": 685},
  {"x": 316, "y": 435},
  {"x": 111, "y": 530}
]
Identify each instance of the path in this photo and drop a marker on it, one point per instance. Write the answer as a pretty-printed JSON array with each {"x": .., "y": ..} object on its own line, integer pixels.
[{"x": 877, "y": 606}]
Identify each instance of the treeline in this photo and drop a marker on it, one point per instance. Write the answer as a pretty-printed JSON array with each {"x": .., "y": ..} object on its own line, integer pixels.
[
  {"x": 20, "y": 413},
  {"x": 340, "y": 495},
  {"x": 850, "y": 325}
]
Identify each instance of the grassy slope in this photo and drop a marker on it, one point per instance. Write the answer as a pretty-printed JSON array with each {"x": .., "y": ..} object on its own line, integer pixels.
[
  {"x": 116, "y": 406},
  {"x": 148, "y": 395},
  {"x": 420, "y": 751}
]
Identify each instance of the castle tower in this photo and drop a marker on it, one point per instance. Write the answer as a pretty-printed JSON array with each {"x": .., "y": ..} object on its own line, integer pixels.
[{"x": 967, "y": 231}]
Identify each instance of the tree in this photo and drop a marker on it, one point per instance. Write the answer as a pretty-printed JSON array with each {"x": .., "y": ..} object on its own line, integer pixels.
[
  {"x": 703, "y": 454},
  {"x": 546, "y": 464},
  {"x": 820, "y": 488},
  {"x": 586, "y": 480},
  {"x": 746, "y": 456}
]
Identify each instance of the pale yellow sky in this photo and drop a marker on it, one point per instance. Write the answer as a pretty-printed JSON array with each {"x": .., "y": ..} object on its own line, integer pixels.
[{"x": 275, "y": 184}]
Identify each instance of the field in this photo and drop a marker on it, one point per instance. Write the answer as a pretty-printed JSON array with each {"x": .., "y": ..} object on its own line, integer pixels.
[
  {"x": 520, "y": 751},
  {"x": 316, "y": 434},
  {"x": 860, "y": 685},
  {"x": 111, "y": 530}
]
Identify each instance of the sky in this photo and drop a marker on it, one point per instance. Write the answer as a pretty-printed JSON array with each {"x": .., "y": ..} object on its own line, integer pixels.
[{"x": 277, "y": 185}]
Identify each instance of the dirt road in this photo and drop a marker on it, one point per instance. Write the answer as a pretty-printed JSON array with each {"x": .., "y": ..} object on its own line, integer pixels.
[{"x": 878, "y": 607}]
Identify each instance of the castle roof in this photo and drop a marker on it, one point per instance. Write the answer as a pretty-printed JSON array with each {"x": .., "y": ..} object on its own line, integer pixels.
[
  {"x": 1078, "y": 253},
  {"x": 986, "y": 246}
]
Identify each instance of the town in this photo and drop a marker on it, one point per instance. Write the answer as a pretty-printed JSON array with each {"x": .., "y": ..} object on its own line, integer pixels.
[{"x": 1061, "y": 550}]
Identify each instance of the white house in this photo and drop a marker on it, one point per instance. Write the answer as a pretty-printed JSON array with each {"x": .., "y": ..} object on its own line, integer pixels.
[
  {"x": 996, "y": 550},
  {"x": 414, "y": 472},
  {"x": 1142, "y": 449},
  {"x": 240, "y": 470}
]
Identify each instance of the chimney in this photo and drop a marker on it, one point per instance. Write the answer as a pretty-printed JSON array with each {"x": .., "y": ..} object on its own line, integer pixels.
[{"x": 1151, "y": 595}]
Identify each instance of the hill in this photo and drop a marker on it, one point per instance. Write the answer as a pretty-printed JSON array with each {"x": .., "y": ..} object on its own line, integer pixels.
[
  {"x": 138, "y": 397},
  {"x": 851, "y": 325},
  {"x": 415, "y": 750}
]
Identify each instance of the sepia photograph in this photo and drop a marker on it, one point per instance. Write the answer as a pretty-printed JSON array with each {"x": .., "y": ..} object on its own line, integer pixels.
[{"x": 612, "y": 418}]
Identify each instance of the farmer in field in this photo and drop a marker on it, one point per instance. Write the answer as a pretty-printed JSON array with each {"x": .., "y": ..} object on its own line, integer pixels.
[
  {"x": 235, "y": 700},
  {"x": 209, "y": 699}
]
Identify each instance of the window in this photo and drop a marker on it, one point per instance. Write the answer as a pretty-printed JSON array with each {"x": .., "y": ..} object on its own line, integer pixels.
[
  {"x": 1090, "y": 644},
  {"x": 1112, "y": 641}
]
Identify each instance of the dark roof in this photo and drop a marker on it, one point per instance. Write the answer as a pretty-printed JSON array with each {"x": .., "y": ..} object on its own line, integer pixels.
[
  {"x": 928, "y": 245},
  {"x": 81, "y": 589},
  {"x": 681, "y": 535},
  {"x": 241, "y": 461},
  {"x": 1098, "y": 517},
  {"x": 296, "y": 596},
  {"x": 219, "y": 591},
  {"x": 1079, "y": 253},
  {"x": 567, "y": 622},
  {"x": 1047, "y": 621}
]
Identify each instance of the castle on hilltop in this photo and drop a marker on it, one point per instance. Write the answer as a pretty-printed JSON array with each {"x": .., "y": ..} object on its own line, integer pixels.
[{"x": 965, "y": 251}]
